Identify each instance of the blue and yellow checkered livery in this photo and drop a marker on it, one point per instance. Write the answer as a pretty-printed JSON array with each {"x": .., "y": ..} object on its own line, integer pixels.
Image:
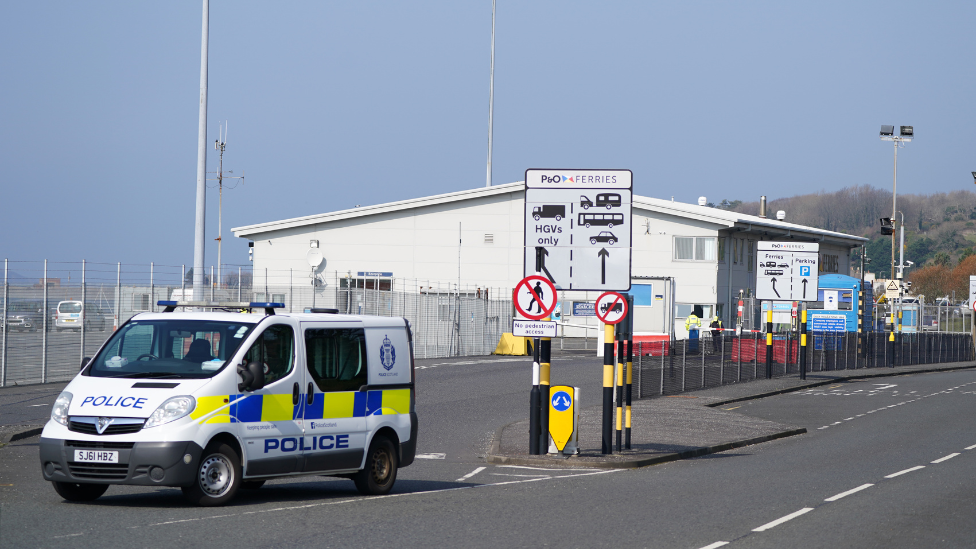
[{"x": 250, "y": 408}]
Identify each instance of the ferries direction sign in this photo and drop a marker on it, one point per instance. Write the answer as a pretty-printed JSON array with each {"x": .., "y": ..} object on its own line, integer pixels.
[
  {"x": 578, "y": 227},
  {"x": 787, "y": 271}
]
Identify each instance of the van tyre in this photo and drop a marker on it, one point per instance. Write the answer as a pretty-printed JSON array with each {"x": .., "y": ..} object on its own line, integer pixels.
[
  {"x": 380, "y": 471},
  {"x": 79, "y": 491},
  {"x": 218, "y": 476}
]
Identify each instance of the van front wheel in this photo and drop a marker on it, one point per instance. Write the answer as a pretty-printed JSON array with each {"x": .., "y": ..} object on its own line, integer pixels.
[
  {"x": 218, "y": 476},
  {"x": 380, "y": 472}
]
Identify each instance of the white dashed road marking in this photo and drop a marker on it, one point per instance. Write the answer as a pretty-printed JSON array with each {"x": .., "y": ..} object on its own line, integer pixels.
[
  {"x": 947, "y": 458},
  {"x": 849, "y": 492},
  {"x": 431, "y": 456},
  {"x": 781, "y": 520},
  {"x": 970, "y": 447},
  {"x": 916, "y": 468},
  {"x": 715, "y": 545}
]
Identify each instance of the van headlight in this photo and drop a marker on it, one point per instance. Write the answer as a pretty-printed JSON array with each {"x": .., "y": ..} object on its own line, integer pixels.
[
  {"x": 171, "y": 410},
  {"x": 60, "y": 411}
]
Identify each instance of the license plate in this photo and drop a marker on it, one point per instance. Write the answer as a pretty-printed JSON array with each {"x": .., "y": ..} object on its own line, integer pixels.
[
  {"x": 97, "y": 456},
  {"x": 69, "y": 320}
]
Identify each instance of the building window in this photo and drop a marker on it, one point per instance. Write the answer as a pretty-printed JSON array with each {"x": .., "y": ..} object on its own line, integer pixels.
[
  {"x": 140, "y": 302},
  {"x": 694, "y": 248},
  {"x": 721, "y": 250},
  {"x": 751, "y": 262}
]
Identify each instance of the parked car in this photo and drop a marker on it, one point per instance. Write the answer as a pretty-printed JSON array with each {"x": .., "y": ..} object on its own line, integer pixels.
[
  {"x": 24, "y": 316},
  {"x": 71, "y": 317}
]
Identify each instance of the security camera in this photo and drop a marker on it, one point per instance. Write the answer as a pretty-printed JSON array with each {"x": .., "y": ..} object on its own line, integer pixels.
[
  {"x": 909, "y": 263},
  {"x": 908, "y": 284}
]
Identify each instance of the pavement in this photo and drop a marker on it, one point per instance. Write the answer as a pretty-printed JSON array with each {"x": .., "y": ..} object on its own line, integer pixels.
[{"x": 683, "y": 426}]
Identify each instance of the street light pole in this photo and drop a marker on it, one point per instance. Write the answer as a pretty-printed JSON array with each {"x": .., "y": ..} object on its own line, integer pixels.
[{"x": 906, "y": 133}]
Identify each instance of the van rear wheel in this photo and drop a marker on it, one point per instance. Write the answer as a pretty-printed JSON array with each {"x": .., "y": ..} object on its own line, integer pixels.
[
  {"x": 79, "y": 491},
  {"x": 380, "y": 471},
  {"x": 218, "y": 476}
]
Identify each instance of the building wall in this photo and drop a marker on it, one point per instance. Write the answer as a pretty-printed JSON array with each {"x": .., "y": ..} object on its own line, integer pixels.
[{"x": 420, "y": 246}]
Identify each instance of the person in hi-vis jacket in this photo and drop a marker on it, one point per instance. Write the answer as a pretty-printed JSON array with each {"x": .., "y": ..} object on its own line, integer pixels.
[{"x": 692, "y": 324}]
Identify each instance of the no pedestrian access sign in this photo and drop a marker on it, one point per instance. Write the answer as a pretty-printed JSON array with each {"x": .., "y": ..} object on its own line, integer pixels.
[
  {"x": 580, "y": 223},
  {"x": 534, "y": 297},
  {"x": 788, "y": 271},
  {"x": 611, "y": 308}
]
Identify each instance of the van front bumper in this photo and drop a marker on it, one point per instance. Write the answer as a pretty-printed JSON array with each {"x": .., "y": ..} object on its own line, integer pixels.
[{"x": 139, "y": 463}]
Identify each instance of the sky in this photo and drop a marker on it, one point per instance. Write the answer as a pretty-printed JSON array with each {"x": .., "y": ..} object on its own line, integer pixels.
[{"x": 336, "y": 104}]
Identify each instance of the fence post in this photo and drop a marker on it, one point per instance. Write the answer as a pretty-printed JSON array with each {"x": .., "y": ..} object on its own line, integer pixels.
[
  {"x": 152, "y": 287},
  {"x": 721, "y": 364},
  {"x": 84, "y": 311},
  {"x": 684, "y": 352},
  {"x": 6, "y": 300},
  {"x": 118, "y": 297},
  {"x": 45, "y": 326},
  {"x": 240, "y": 290},
  {"x": 183, "y": 284}
]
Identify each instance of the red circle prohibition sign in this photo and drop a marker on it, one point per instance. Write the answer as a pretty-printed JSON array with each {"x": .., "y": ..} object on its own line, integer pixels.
[
  {"x": 611, "y": 307},
  {"x": 544, "y": 310}
]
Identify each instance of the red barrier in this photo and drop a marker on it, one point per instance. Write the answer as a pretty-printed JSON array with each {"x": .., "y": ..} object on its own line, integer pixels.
[
  {"x": 756, "y": 349},
  {"x": 652, "y": 345}
]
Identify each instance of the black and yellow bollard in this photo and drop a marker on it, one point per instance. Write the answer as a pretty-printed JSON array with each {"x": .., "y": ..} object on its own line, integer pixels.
[
  {"x": 630, "y": 388},
  {"x": 535, "y": 403},
  {"x": 621, "y": 357},
  {"x": 769, "y": 342},
  {"x": 545, "y": 349},
  {"x": 803, "y": 342},
  {"x": 608, "y": 356}
]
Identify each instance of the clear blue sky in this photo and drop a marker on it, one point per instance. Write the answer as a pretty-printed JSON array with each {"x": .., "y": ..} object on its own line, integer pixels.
[{"x": 333, "y": 104}]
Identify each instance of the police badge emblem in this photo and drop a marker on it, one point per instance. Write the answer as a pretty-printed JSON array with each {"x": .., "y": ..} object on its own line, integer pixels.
[{"x": 387, "y": 354}]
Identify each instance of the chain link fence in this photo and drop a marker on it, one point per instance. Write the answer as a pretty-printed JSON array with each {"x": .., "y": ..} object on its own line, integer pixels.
[
  {"x": 667, "y": 368},
  {"x": 54, "y": 314}
]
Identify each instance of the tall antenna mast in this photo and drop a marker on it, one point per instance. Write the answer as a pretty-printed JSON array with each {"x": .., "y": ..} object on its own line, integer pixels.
[{"x": 221, "y": 144}]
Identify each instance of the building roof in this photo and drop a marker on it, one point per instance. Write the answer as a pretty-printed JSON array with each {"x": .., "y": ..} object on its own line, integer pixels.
[{"x": 732, "y": 220}]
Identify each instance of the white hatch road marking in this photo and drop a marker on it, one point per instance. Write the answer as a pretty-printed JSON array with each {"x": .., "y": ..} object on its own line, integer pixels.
[
  {"x": 947, "y": 458},
  {"x": 781, "y": 520},
  {"x": 431, "y": 456},
  {"x": 872, "y": 392},
  {"x": 35, "y": 406},
  {"x": 550, "y": 469},
  {"x": 521, "y": 476},
  {"x": 849, "y": 492},
  {"x": 715, "y": 545},
  {"x": 909, "y": 470},
  {"x": 970, "y": 447},
  {"x": 375, "y": 498},
  {"x": 471, "y": 474},
  {"x": 69, "y": 536}
]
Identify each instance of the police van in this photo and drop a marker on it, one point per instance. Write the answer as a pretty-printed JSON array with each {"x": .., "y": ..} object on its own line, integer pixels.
[{"x": 230, "y": 397}]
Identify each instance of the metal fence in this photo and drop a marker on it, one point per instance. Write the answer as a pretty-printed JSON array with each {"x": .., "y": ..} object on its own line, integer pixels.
[
  {"x": 37, "y": 348},
  {"x": 666, "y": 368}
]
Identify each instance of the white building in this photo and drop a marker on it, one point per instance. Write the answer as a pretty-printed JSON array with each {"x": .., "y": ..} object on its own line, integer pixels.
[{"x": 695, "y": 255}]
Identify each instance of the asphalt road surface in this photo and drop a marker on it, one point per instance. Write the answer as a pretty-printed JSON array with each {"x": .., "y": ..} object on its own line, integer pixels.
[{"x": 885, "y": 463}]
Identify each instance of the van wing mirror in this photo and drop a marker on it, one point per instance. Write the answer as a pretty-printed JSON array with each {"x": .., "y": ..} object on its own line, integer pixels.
[{"x": 252, "y": 377}]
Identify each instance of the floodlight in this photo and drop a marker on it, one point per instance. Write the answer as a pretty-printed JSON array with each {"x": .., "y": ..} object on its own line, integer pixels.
[
  {"x": 974, "y": 177},
  {"x": 887, "y": 131},
  {"x": 907, "y": 131},
  {"x": 887, "y": 226}
]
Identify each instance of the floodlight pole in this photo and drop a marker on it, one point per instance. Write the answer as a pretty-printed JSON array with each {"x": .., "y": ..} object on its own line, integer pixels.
[
  {"x": 201, "y": 206},
  {"x": 491, "y": 92}
]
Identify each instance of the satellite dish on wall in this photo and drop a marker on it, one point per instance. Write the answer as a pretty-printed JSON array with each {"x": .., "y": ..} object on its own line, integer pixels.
[{"x": 314, "y": 257}]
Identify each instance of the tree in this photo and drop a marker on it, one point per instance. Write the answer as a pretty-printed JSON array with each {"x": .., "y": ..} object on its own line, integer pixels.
[
  {"x": 933, "y": 281},
  {"x": 943, "y": 259}
]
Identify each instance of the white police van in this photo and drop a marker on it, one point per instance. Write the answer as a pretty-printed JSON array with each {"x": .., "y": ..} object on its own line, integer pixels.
[{"x": 216, "y": 401}]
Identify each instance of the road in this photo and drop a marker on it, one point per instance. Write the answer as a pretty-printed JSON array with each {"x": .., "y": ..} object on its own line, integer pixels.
[{"x": 885, "y": 463}]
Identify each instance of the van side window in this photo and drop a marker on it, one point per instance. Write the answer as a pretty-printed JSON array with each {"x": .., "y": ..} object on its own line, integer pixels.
[
  {"x": 336, "y": 358},
  {"x": 275, "y": 349}
]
